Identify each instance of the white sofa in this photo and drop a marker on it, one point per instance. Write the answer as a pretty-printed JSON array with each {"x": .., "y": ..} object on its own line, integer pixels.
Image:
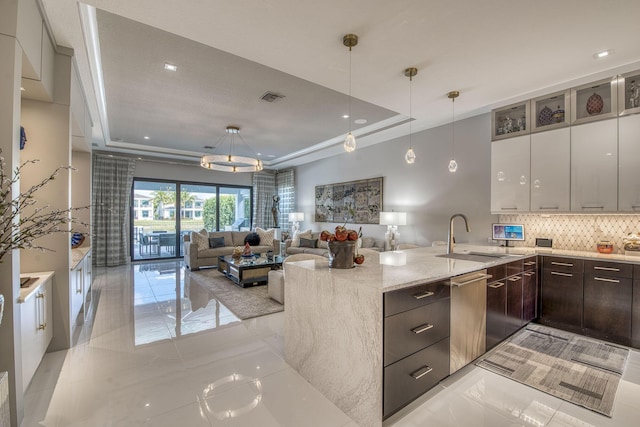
[
  {"x": 195, "y": 258},
  {"x": 322, "y": 250}
]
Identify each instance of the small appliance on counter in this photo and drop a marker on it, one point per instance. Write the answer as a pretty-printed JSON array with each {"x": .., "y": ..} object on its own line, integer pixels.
[{"x": 543, "y": 244}]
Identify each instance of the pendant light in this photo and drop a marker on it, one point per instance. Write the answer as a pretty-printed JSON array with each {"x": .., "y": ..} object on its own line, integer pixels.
[
  {"x": 410, "y": 156},
  {"x": 453, "y": 165},
  {"x": 350, "y": 40}
]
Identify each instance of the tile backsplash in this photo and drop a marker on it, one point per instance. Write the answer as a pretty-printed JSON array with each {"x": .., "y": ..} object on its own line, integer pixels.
[{"x": 575, "y": 232}]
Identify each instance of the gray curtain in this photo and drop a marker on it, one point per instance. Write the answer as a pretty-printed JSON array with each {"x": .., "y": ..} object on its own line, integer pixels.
[{"x": 112, "y": 182}]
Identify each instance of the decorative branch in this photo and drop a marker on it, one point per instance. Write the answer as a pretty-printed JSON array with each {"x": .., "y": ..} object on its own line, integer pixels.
[{"x": 21, "y": 220}]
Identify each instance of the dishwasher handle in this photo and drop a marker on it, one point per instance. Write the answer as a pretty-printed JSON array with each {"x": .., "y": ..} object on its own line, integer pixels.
[{"x": 477, "y": 278}]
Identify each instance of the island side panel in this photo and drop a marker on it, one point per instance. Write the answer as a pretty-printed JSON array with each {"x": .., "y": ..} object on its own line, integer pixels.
[{"x": 333, "y": 337}]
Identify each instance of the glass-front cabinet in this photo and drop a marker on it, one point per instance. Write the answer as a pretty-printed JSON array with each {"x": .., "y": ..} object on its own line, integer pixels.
[
  {"x": 595, "y": 101},
  {"x": 551, "y": 111},
  {"x": 511, "y": 120},
  {"x": 629, "y": 93}
]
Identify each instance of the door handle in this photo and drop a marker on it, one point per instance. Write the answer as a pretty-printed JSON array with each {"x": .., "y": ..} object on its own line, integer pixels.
[
  {"x": 555, "y": 273},
  {"x": 421, "y": 372},
  {"x": 422, "y": 328},
  {"x": 602, "y": 279},
  {"x": 496, "y": 285},
  {"x": 424, "y": 294}
]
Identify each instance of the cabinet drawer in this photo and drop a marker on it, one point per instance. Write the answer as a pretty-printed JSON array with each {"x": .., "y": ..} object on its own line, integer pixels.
[
  {"x": 514, "y": 267},
  {"x": 497, "y": 272},
  {"x": 416, "y": 296},
  {"x": 412, "y": 376},
  {"x": 410, "y": 331},
  {"x": 608, "y": 269},
  {"x": 530, "y": 263},
  {"x": 567, "y": 265}
]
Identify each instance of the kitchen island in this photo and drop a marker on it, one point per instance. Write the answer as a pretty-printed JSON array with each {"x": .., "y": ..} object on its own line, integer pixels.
[{"x": 334, "y": 319}]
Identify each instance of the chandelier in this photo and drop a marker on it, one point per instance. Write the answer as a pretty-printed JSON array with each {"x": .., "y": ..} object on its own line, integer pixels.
[{"x": 230, "y": 162}]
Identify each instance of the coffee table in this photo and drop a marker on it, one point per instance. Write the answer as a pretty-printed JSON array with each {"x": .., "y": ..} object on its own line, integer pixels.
[{"x": 248, "y": 271}]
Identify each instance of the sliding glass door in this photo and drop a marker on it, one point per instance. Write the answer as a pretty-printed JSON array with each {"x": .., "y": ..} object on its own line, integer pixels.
[
  {"x": 163, "y": 212},
  {"x": 154, "y": 220}
]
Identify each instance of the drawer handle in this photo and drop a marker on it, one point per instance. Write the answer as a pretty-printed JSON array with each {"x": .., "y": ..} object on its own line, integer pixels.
[
  {"x": 530, "y": 263},
  {"x": 602, "y": 279},
  {"x": 592, "y": 207},
  {"x": 529, "y": 273},
  {"x": 514, "y": 279},
  {"x": 422, "y": 328},
  {"x": 564, "y": 264},
  {"x": 496, "y": 285},
  {"x": 474, "y": 279},
  {"x": 549, "y": 207},
  {"x": 421, "y": 372},
  {"x": 606, "y": 268},
  {"x": 424, "y": 294},
  {"x": 509, "y": 208},
  {"x": 555, "y": 273}
]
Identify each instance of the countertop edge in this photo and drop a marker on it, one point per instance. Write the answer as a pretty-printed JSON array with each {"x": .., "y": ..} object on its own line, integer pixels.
[{"x": 41, "y": 277}]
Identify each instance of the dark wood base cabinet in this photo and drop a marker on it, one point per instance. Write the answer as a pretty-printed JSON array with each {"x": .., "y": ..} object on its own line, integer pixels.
[
  {"x": 562, "y": 291},
  {"x": 496, "y": 312},
  {"x": 416, "y": 342},
  {"x": 635, "y": 317}
]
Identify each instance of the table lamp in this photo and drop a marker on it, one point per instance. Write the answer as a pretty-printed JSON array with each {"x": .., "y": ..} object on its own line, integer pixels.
[
  {"x": 295, "y": 218},
  {"x": 392, "y": 220}
]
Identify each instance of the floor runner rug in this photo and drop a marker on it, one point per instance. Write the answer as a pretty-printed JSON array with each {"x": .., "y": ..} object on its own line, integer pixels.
[{"x": 581, "y": 370}]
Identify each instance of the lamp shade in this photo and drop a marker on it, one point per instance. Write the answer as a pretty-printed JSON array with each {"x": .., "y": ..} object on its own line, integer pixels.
[
  {"x": 393, "y": 218},
  {"x": 296, "y": 216}
]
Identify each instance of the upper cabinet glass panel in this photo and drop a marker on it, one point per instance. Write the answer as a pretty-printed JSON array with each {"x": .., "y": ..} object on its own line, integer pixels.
[
  {"x": 551, "y": 111},
  {"x": 594, "y": 101},
  {"x": 512, "y": 120},
  {"x": 629, "y": 93}
]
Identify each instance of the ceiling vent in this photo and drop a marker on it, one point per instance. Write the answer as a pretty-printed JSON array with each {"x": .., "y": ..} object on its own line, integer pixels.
[{"x": 271, "y": 97}]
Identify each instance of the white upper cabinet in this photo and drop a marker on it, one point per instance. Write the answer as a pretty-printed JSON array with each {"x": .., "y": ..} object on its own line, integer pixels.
[
  {"x": 594, "y": 167},
  {"x": 38, "y": 55},
  {"x": 629, "y": 163},
  {"x": 550, "y": 175},
  {"x": 510, "y": 174}
]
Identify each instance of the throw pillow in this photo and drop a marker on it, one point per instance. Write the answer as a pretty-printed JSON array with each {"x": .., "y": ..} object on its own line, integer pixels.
[
  {"x": 266, "y": 236},
  {"x": 253, "y": 239},
  {"x": 308, "y": 243},
  {"x": 295, "y": 242},
  {"x": 323, "y": 244},
  {"x": 201, "y": 239},
  {"x": 216, "y": 242}
]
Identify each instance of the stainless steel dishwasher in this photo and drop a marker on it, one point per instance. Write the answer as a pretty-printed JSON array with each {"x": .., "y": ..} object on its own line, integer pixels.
[{"x": 468, "y": 318}]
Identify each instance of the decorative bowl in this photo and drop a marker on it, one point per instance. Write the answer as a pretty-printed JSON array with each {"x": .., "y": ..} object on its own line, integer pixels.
[{"x": 604, "y": 247}]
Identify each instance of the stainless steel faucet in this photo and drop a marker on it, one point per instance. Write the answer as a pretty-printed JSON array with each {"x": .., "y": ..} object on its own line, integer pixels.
[{"x": 450, "y": 237}]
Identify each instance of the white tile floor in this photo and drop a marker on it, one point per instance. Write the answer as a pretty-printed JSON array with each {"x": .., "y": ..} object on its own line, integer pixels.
[{"x": 136, "y": 365}]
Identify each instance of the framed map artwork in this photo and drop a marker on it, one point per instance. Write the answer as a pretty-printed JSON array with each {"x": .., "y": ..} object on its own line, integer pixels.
[{"x": 356, "y": 202}]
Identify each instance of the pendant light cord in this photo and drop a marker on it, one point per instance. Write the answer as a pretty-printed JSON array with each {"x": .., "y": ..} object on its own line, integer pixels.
[
  {"x": 350, "y": 96},
  {"x": 453, "y": 117},
  {"x": 410, "y": 112}
]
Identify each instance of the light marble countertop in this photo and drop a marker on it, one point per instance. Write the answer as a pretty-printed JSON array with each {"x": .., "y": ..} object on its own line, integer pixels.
[
  {"x": 388, "y": 271},
  {"x": 77, "y": 255},
  {"x": 37, "y": 279}
]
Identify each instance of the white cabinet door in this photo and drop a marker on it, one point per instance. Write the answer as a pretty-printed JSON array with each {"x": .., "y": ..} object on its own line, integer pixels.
[
  {"x": 77, "y": 292},
  {"x": 510, "y": 167},
  {"x": 629, "y": 160},
  {"x": 36, "y": 319},
  {"x": 88, "y": 292},
  {"x": 594, "y": 167},
  {"x": 550, "y": 175}
]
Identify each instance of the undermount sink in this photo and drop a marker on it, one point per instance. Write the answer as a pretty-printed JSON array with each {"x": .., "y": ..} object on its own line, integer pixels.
[{"x": 475, "y": 256}]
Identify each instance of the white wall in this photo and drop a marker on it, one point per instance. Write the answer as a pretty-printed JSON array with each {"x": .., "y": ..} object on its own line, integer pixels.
[{"x": 426, "y": 190}]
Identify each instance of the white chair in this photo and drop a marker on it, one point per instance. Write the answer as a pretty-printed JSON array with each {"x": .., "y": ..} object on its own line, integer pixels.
[{"x": 275, "y": 284}]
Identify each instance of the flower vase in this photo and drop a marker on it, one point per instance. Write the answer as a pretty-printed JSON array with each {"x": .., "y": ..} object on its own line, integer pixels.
[{"x": 341, "y": 254}]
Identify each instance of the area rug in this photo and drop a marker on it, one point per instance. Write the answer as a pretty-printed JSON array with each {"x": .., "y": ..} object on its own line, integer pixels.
[
  {"x": 245, "y": 303},
  {"x": 574, "y": 368}
]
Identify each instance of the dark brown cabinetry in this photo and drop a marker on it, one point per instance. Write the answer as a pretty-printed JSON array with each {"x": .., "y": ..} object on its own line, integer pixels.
[
  {"x": 416, "y": 342},
  {"x": 562, "y": 292},
  {"x": 635, "y": 317},
  {"x": 511, "y": 298},
  {"x": 608, "y": 300}
]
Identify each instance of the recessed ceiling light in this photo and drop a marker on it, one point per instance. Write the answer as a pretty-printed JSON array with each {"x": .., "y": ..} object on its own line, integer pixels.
[
  {"x": 146, "y": 137},
  {"x": 258, "y": 154},
  {"x": 22, "y": 88},
  {"x": 360, "y": 121},
  {"x": 345, "y": 116},
  {"x": 603, "y": 54},
  {"x": 170, "y": 67}
]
